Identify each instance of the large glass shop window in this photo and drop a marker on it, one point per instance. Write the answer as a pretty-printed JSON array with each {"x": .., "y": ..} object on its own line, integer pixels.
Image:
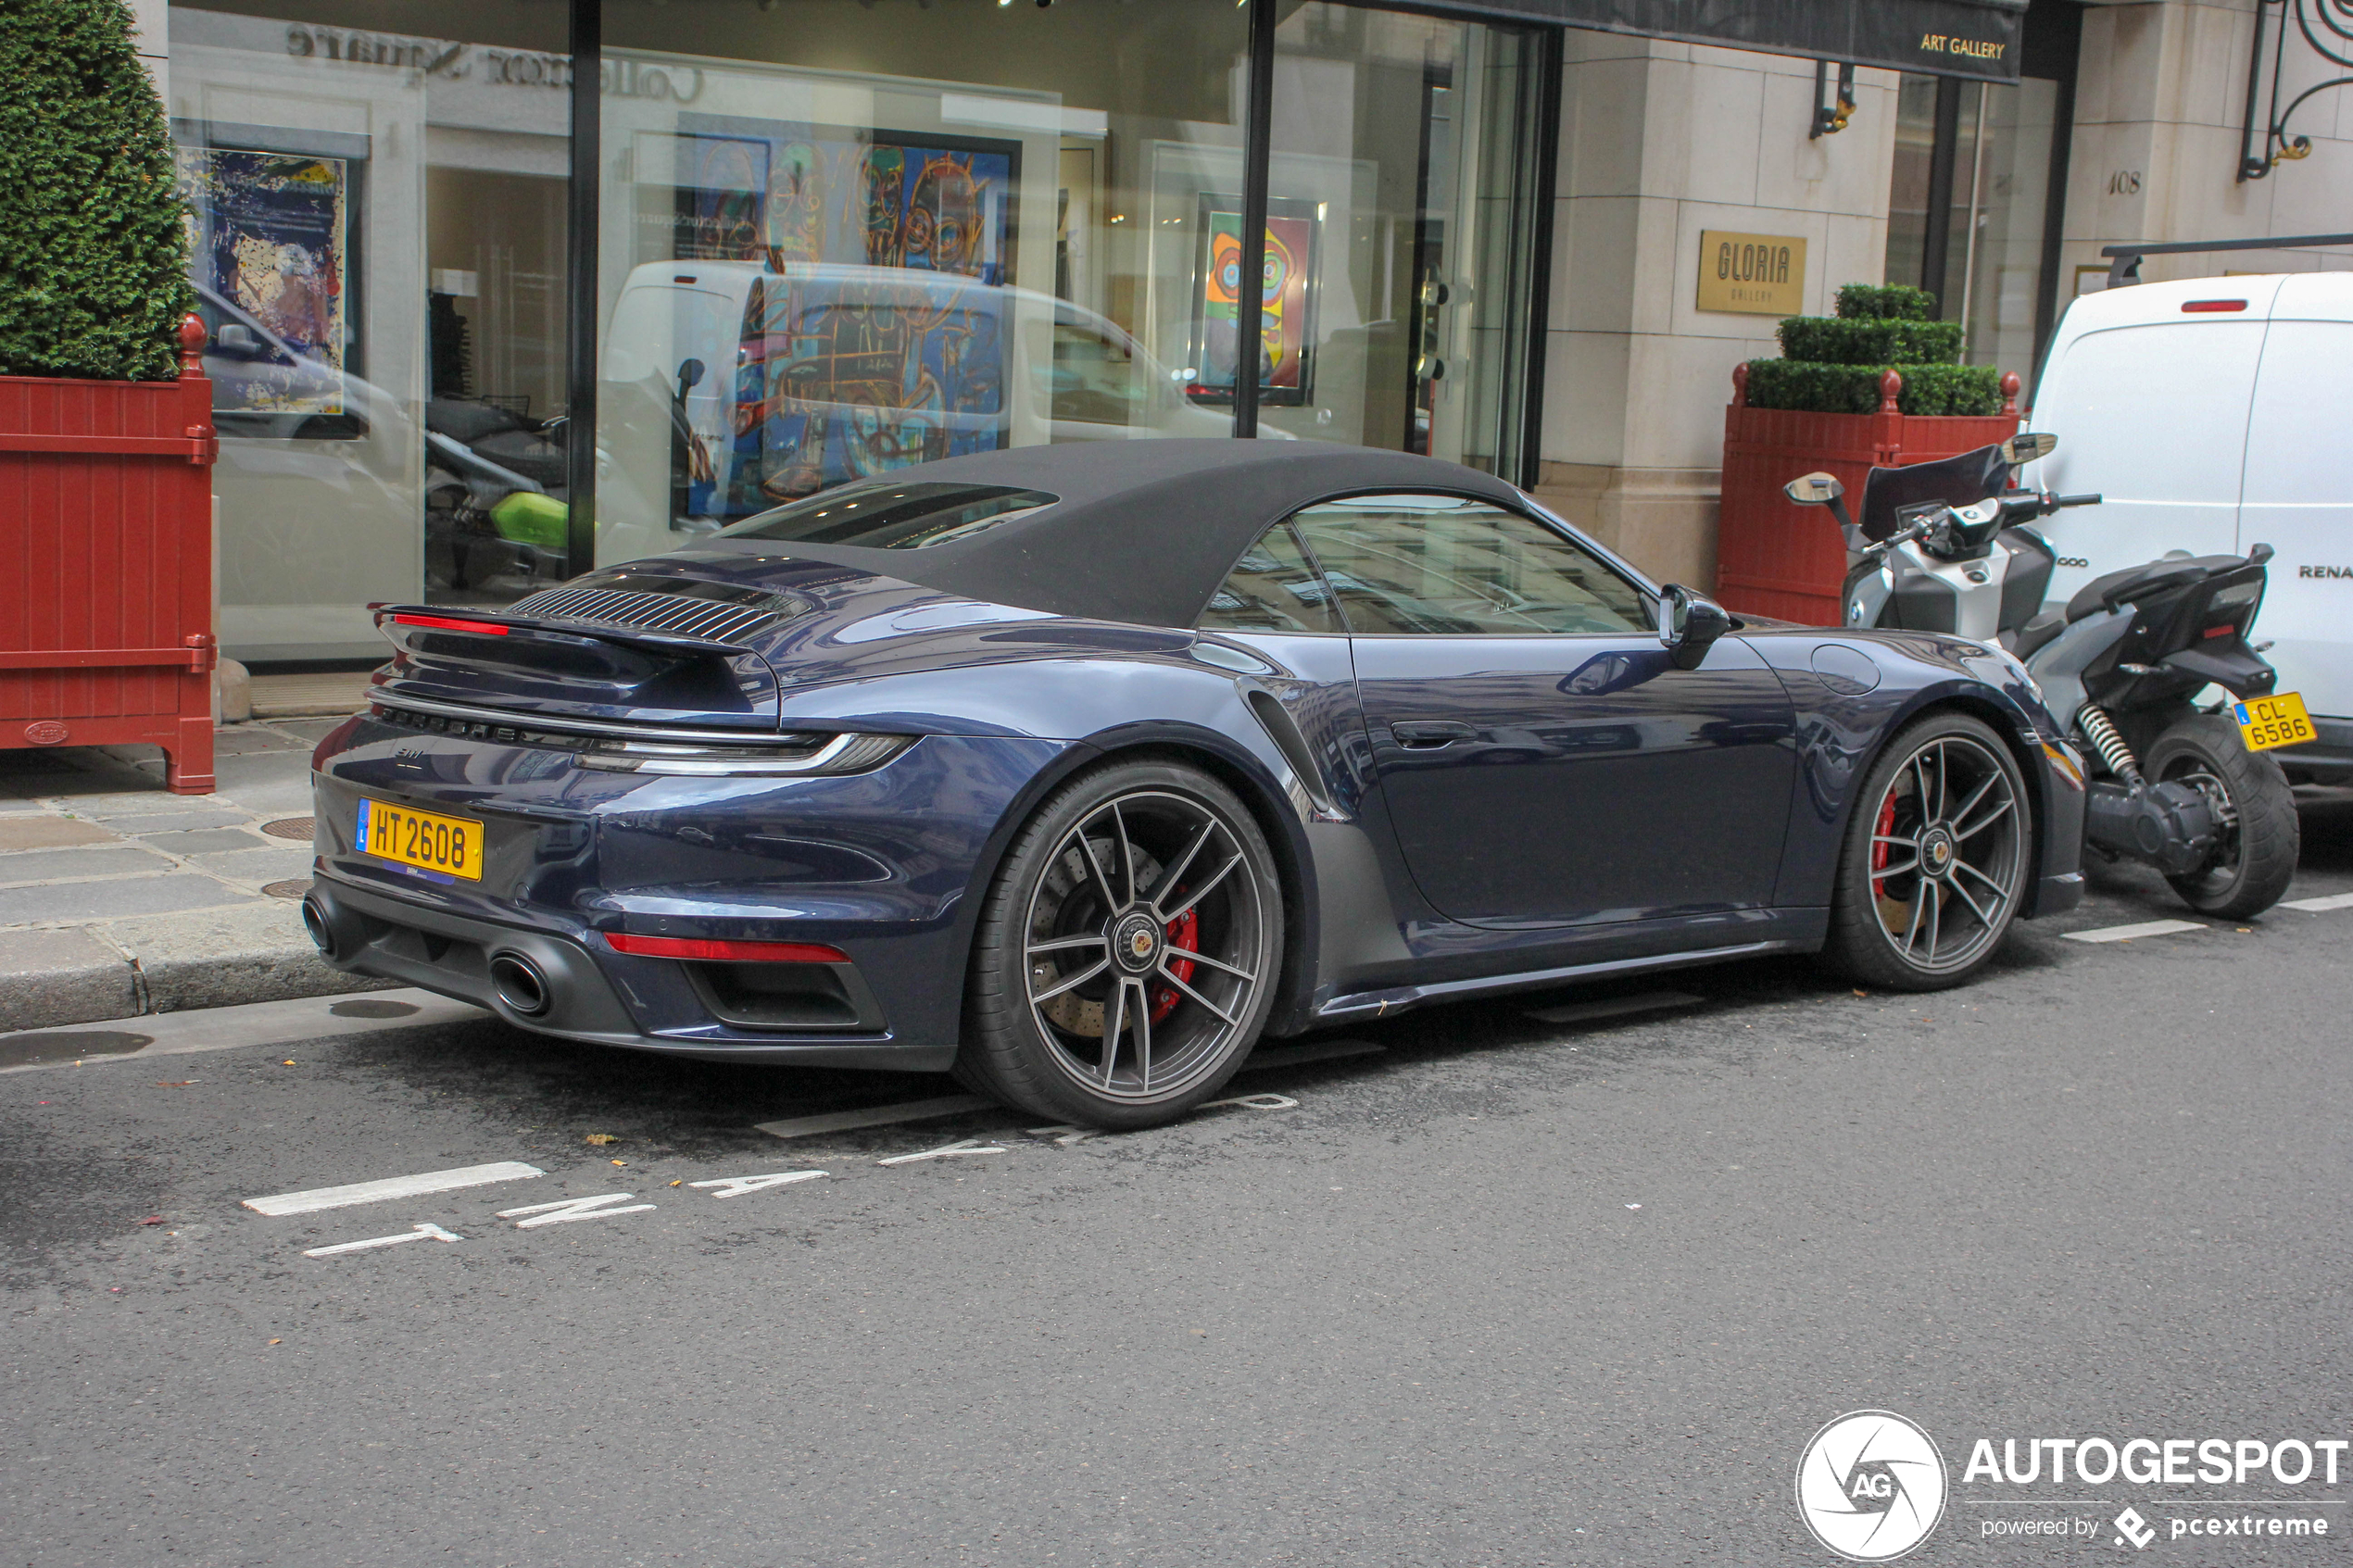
[
  {"x": 376, "y": 203},
  {"x": 843, "y": 238},
  {"x": 1401, "y": 234}
]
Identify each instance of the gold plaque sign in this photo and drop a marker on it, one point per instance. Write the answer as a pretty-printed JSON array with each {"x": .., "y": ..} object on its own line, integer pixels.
[{"x": 1754, "y": 274}]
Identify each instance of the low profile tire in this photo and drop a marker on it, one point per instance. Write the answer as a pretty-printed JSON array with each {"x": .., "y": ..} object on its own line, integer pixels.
[
  {"x": 1127, "y": 953},
  {"x": 1935, "y": 862},
  {"x": 2261, "y": 838}
]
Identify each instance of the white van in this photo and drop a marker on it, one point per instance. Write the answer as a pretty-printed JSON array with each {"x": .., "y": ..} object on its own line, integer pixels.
[{"x": 2213, "y": 415}]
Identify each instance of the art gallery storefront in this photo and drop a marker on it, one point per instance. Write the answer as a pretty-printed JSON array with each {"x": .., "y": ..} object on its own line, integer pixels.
[{"x": 476, "y": 329}]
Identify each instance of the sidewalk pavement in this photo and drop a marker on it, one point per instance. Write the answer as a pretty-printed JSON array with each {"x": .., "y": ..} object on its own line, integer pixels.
[{"x": 119, "y": 898}]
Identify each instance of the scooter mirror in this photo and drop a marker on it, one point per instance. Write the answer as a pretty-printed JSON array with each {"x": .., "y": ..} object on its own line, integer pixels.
[
  {"x": 690, "y": 374},
  {"x": 1814, "y": 490},
  {"x": 2027, "y": 446}
]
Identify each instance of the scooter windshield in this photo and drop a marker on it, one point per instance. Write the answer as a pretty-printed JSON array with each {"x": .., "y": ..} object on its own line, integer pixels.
[{"x": 1957, "y": 481}]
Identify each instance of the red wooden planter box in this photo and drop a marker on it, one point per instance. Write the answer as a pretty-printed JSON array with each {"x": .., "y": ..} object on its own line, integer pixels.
[
  {"x": 106, "y": 564},
  {"x": 1776, "y": 558}
]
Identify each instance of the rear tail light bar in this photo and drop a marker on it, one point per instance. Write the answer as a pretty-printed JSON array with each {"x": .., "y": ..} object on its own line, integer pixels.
[
  {"x": 711, "y": 951},
  {"x": 451, "y": 623},
  {"x": 2204, "y": 306}
]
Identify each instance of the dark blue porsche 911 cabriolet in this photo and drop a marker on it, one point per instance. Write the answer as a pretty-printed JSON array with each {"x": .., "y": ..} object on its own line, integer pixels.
[{"x": 1077, "y": 770}]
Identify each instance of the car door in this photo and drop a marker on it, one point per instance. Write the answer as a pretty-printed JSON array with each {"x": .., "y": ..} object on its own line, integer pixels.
[{"x": 1543, "y": 759}]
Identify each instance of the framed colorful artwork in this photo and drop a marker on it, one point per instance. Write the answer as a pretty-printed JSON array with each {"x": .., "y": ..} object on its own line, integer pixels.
[
  {"x": 874, "y": 335},
  {"x": 1287, "y": 331},
  {"x": 273, "y": 221}
]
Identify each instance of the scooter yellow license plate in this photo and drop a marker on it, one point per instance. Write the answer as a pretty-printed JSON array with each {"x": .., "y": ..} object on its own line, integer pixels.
[
  {"x": 452, "y": 845},
  {"x": 2277, "y": 719}
]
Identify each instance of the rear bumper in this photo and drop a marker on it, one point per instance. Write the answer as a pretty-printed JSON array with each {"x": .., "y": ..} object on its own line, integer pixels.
[{"x": 451, "y": 955}]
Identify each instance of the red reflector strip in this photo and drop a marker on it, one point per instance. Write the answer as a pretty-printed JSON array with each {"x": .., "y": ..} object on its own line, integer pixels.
[
  {"x": 712, "y": 951},
  {"x": 450, "y": 623},
  {"x": 2222, "y": 631},
  {"x": 2198, "y": 306}
]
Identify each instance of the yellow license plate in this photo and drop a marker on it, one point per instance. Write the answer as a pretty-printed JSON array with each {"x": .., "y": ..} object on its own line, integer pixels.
[
  {"x": 2277, "y": 719},
  {"x": 452, "y": 845}
]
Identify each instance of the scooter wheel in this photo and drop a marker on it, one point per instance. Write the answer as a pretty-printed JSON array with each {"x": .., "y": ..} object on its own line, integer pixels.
[{"x": 2260, "y": 837}]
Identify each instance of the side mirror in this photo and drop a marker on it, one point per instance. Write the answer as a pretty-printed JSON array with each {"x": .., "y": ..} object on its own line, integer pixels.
[
  {"x": 2027, "y": 446},
  {"x": 1688, "y": 623},
  {"x": 1814, "y": 490},
  {"x": 236, "y": 340},
  {"x": 690, "y": 374}
]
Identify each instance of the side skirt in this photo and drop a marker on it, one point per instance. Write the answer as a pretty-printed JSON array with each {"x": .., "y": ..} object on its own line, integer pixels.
[{"x": 1810, "y": 927}]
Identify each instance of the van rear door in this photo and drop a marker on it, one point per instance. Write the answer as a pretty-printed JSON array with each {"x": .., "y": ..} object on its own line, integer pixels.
[
  {"x": 2152, "y": 414},
  {"x": 2298, "y": 495}
]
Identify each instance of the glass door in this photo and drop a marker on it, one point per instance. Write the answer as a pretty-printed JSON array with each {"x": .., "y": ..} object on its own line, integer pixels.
[{"x": 1401, "y": 247}]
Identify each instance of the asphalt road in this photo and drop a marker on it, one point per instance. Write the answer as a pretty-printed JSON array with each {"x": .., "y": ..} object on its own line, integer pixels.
[{"x": 1507, "y": 1291}]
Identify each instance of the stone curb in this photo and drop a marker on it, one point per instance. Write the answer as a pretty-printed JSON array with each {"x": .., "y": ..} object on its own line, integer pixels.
[{"x": 164, "y": 963}]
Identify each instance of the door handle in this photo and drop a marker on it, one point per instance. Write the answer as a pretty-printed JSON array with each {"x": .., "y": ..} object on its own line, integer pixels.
[{"x": 1430, "y": 734}]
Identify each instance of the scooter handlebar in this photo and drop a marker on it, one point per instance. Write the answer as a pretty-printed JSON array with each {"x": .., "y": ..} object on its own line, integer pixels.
[{"x": 2057, "y": 501}]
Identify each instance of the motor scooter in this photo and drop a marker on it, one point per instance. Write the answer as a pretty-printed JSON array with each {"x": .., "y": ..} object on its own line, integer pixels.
[{"x": 2177, "y": 784}]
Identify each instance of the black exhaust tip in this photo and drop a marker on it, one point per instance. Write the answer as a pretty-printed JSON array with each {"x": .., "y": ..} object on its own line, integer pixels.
[
  {"x": 520, "y": 985},
  {"x": 314, "y": 921}
]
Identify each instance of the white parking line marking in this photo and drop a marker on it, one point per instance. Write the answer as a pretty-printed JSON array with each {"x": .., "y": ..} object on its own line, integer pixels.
[
  {"x": 1065, "y": 1134},
  {"x": 945, "y": 1151},
  {"x": 1298, "y": 1056},
  {"x": 957, "y": 1105},
  {"x": 1613, "y": 1006},
  {"x": 2127, "y": 933},
  {"x": 2319, "y": 906},
  {"x": 736, "y": 1187},
  {"x": 392, "y": 1187},
  {"x": 422, "y": 1232},
  {"x": 566, "y": 1209},
  {"x": 876, "y": 1116},
  {"x": 258, "y": 1023},
  {"x": 1256, "y": 1102}
]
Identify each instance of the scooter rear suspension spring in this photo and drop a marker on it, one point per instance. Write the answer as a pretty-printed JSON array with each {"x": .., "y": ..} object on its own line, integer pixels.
[{"x": 2100, "y": 730}]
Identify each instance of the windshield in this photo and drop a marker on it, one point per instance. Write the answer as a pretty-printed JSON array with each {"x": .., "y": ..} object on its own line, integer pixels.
[{"x": 893, "y": 517}]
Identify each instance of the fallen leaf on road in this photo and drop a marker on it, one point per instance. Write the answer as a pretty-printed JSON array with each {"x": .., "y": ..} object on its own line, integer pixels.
[
  {"x": 599, "y": 1139},
  {"x": 680, "y": 1179},
  {"x": 277, "y": 1342},
  {"x": 621, "y": 1162},
  {"x": 1860, "y": 992},
  {"x": 288, "y": 1062},
  {"x": 183, "y": 1083},
  {"x": 152, "y": 1220}
]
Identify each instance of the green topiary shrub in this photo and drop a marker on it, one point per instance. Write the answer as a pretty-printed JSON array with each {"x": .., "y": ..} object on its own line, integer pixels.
[
  {"x": 1853, "y": 389},
  {"x": 93, "y": 249},
  {"x": 1827, "y": 342},
  {"x": 1884, "y": 302},
  {"x": 1833, "y": 364}
]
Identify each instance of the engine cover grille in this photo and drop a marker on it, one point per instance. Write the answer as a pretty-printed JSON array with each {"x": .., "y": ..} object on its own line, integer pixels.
[{"x": 684, "y": 614}]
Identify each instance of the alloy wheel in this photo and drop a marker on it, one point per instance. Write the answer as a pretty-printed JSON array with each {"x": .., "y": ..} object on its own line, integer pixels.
[
  {"x": 1144, "y": 946},
  {"x": 1947, "y": 854}
]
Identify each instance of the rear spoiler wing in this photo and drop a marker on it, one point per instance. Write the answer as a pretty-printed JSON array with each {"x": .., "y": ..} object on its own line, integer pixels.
[{"x": 496, "y": 623}]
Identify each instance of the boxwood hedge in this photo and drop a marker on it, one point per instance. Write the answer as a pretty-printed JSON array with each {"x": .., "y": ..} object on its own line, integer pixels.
[{"x": 93, "y": 258}]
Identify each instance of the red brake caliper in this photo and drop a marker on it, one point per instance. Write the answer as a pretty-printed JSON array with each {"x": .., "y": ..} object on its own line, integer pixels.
[
  {"x": 1879, "y": 849},
  {"x": 1184, "y": 933}
]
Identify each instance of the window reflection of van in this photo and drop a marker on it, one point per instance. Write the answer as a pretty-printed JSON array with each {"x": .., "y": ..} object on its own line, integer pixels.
[{"x": 728, "y": 388}]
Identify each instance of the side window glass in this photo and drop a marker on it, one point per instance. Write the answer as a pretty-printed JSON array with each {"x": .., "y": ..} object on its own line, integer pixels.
[
  {"x": 1446, "y": 565},
  {"x": 1271, "y": 588}
]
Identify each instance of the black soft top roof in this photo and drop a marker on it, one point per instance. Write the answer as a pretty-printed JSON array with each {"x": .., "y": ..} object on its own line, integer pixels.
[{"x": 1144, "y": 531}]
